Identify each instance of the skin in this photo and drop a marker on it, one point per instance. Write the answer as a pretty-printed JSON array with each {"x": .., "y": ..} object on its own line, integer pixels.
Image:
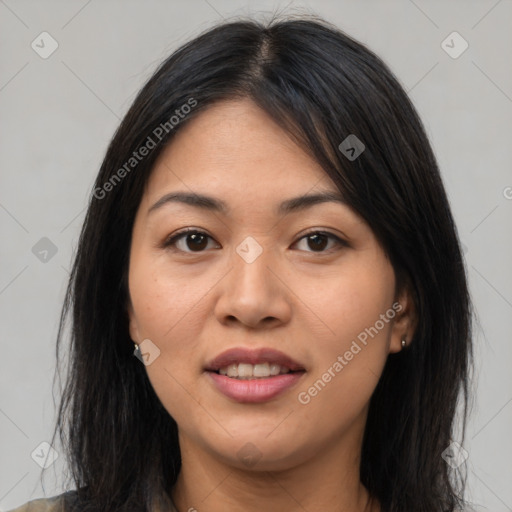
[{"x": 309, "y": 303}]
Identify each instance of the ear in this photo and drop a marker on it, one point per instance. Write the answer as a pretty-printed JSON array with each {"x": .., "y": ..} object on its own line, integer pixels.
[
  {"x": 133, "y": 325},
  {"x": 405, "y": 320}
]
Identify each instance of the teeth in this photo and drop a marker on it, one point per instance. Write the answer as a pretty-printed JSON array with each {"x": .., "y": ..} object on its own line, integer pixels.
[
  {"x": 275, "y": 369},
  {"x": 261, "y": 370},
  {"x": 246, "y": 371},
  {"x": 232, "y": 370}
]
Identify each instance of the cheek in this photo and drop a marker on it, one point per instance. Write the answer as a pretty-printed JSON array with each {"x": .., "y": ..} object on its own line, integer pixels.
[
  {"x": 164, "y": 308},
  {"x": 171, "y": 307},
  {"x": 350, "y": 358},
  {"x": 351, "y": 299},
  {"x": 163, "y": 301}
]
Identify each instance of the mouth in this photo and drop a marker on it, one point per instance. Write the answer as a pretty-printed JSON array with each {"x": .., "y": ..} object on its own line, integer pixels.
[{"x": 253, "y": 375}]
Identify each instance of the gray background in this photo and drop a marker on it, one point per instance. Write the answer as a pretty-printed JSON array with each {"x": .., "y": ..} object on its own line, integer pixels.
[{"x": 59, "y": 113}]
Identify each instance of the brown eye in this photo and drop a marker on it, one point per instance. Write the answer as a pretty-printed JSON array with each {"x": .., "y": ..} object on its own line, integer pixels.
[
  {"x": 196, "y": 241},
  {"x": 190, "y": 240},
  {"x": 317, "y": 241}
]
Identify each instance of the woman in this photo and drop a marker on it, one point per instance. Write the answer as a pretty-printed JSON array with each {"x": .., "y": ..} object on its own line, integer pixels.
[{"x": 269, "y": 302}]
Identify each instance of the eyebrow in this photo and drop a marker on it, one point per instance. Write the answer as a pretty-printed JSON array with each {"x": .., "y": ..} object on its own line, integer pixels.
[{"x": 213, "y": 204}]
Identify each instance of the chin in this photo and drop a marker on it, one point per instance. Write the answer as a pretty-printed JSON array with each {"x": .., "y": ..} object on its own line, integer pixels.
[{"x": 261, "y": 452}]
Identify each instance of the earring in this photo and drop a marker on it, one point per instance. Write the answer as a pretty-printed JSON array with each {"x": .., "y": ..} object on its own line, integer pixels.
[
  {"x": 136, "y": 352},
  {"x": 403, "y": 343}
]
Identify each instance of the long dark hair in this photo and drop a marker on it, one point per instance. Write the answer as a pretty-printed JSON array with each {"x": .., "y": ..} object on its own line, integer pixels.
[{"x": 321, "y": 86}]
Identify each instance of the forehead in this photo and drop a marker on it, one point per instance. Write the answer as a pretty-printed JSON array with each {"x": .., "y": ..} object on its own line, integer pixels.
[{"x": 234, "y": 147}]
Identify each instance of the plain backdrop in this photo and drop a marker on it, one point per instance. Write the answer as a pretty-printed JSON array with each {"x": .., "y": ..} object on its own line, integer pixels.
[{"x": 59, "y": 111}]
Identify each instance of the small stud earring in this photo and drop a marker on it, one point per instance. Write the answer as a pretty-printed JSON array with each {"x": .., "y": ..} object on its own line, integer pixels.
[{"x": 403, "y": 343}]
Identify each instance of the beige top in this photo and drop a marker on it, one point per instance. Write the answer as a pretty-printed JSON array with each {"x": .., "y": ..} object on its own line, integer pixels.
[
  {"x": 53, "y": 504},
  {"x": 56, "y": 504}
]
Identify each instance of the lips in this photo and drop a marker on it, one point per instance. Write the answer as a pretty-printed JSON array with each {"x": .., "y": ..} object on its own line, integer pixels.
[
  {"x": 274, "y": 373},
  {"x": 236, "y": 356}
]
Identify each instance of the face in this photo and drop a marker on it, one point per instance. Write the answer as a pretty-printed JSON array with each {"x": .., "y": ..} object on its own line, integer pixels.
[{"x": 305, "y": 293}]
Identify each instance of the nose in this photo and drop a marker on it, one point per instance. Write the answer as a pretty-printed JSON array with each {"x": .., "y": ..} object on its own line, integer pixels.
[{"x": 254, "y": 293}]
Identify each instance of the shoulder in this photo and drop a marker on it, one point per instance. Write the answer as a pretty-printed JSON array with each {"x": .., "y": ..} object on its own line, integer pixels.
[
  {"x": 69, "y": 502},
  {"x": 59, "y": 503}
]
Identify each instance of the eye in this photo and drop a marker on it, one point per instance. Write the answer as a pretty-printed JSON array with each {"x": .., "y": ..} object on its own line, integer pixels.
[
  {"x": 317, "y": 240},
  {"x": 196, "y": 241}
]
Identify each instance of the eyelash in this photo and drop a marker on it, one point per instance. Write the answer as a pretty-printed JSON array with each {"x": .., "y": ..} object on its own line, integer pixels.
[{"x": 170, "y": 243}]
